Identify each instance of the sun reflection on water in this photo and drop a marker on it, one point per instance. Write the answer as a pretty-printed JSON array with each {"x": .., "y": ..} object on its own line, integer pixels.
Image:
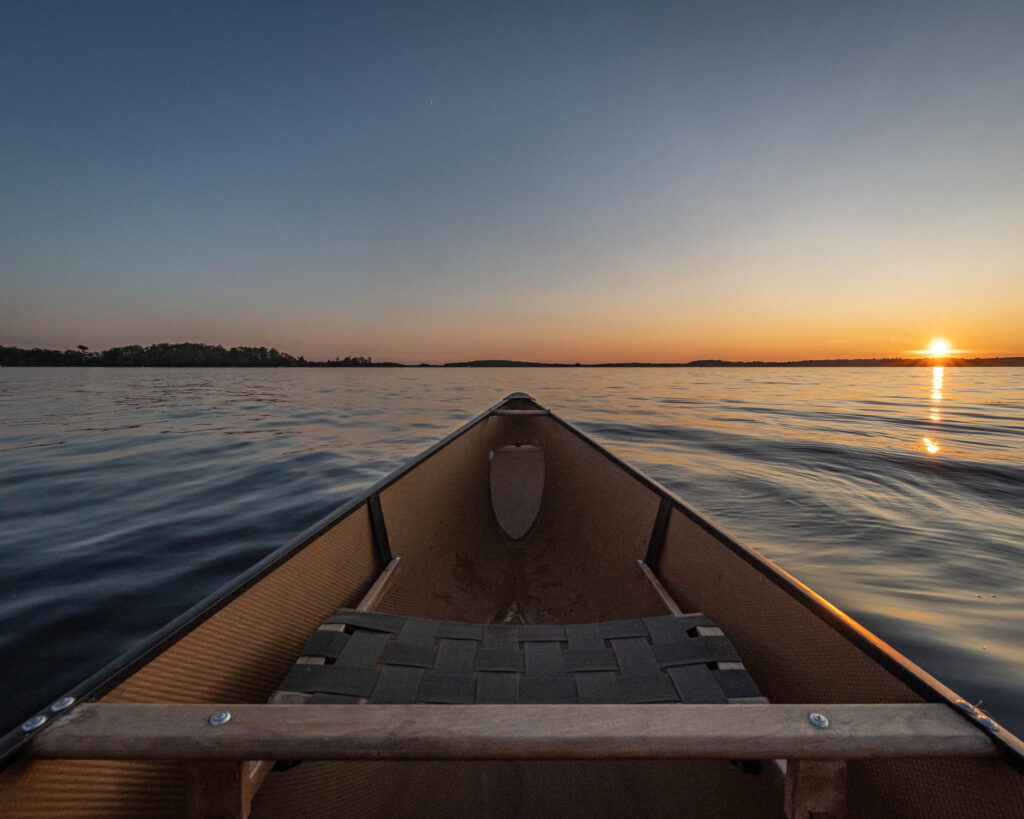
[{"x": 938, "y": 375}]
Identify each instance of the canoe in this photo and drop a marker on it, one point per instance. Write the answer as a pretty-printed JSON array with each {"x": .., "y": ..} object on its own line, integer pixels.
[{"x": 540, "y": 615}]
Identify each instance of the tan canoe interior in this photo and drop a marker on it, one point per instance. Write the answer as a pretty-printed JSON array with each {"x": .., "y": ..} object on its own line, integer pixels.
[{"x": 577, "y": 564}]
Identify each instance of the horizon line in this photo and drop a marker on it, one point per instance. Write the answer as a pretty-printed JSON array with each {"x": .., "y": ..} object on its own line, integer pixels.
[{"x": 82, "y": 356}]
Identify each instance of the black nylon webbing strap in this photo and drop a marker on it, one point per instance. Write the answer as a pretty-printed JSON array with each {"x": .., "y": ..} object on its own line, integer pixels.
[{"x": 383, "y": 658}]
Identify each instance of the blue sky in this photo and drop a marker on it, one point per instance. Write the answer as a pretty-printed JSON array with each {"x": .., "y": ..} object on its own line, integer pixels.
[{"x": 554, "y": 181}]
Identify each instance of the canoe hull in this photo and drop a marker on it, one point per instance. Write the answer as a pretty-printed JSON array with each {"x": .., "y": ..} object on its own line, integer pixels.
[{"x": 578, "y": 563}]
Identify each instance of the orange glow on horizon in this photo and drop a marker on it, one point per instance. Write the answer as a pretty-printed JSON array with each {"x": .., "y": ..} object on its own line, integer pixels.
[{"x": 592, "y": 333}]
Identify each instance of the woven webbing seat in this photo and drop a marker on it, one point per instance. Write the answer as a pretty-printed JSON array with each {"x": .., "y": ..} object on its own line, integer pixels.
[{"x": 359, "y": 657}]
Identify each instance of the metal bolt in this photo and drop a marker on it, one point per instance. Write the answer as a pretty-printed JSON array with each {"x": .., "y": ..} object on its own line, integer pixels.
[
  {"x": 818, "y": 720},
  {"x": 987, "y": 722},
  {"x": 30, "y": 725},
  {"x": 979, "y": 716},
  {"x": 62, "y": 703},
  {"x": 219, "y": 718}
]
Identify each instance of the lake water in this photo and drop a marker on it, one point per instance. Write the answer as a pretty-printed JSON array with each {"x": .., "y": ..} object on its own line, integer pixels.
[{"x": 127, "y": 495}]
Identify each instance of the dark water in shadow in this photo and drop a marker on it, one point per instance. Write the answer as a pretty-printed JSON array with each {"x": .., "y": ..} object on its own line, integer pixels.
[{"x": 128, "y": 495}]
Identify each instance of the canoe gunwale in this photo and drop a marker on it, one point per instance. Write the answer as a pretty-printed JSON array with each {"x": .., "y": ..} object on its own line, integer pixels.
[
  {"x": 913, "y": 676},
  {"x": 128, "y": 662}
]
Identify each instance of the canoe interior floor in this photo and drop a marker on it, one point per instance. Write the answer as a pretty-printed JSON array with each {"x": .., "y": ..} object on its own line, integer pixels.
[
  {"x": 521, "y": 597},
  {"x": 576, "y": 564}
]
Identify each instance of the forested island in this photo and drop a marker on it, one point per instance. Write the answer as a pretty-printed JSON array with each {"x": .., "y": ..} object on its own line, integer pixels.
[
  {"x": 190, "y": 354},
  {"x": 186, "y": 354}
]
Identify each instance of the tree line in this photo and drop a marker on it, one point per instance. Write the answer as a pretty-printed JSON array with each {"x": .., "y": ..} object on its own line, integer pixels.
[{"x": 187, "y": 354}]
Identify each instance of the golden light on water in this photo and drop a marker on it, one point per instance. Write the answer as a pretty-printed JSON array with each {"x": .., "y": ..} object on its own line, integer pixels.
[
  {"x": 938, "y": 377},
  {"x": 938, "y": 374}
]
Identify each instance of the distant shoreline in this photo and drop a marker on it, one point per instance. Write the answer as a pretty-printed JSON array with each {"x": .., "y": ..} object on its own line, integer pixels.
[
  {"x": 1004, "y": 361},
  {"x": 190, "y": 354}
]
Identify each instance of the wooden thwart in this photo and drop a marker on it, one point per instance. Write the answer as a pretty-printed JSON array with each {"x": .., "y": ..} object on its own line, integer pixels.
[
  {"x": 380, "y": 586},
  {"x": 183, "y": 732},
  {"x": 222, "y": 789},
  {"x": 816, "y": 789},
  {"x": 667, "y": 600}
]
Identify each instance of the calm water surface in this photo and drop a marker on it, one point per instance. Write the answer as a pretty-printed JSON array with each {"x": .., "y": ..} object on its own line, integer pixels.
[{"x": 128, "y": 495}]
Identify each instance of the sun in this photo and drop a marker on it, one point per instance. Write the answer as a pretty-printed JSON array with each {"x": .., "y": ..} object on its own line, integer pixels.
[{"x": 938, "y": 346}]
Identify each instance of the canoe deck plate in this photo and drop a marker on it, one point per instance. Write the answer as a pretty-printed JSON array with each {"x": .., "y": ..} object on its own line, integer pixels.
[{"x": 517, "y": 487}]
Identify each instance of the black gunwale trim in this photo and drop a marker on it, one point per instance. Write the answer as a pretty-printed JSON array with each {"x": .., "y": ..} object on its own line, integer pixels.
[
  {"x": 657, "y": 541},
  {"x": 910, "y": 674},
  {"x": 379, "y": 530},
  {"x": 131, "y": 660}
]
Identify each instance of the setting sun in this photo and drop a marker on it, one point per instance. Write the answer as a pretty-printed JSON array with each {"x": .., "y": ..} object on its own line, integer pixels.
[{"x": 938, "y": 347}]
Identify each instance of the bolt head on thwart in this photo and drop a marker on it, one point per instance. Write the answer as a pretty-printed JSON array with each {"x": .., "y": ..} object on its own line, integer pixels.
[
  {"x": 979, "y": 716},
  {"x": 818, "y": 720},
  {"x": 219, "y": 718}
]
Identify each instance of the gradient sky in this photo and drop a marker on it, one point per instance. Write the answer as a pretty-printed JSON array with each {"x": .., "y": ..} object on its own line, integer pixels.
[{"x": 548, "y": 181}]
